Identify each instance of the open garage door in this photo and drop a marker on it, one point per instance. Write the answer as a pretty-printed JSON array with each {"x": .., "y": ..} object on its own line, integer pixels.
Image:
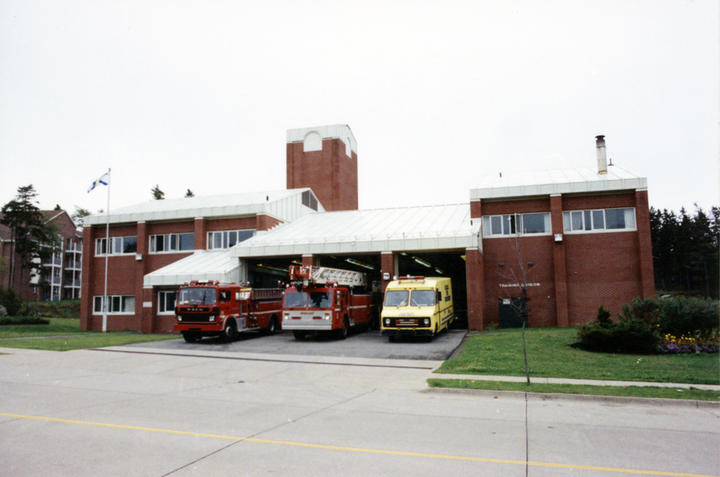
[
  {"x": 440, "y": 264},
  {"x": 267, "y": 272}
]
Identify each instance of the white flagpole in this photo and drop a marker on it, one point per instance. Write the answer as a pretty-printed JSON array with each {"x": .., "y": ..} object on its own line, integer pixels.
[{"x": 108, "y": 245}]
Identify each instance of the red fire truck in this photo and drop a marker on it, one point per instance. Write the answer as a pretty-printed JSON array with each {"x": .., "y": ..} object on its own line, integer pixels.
[
  {"x": 323, "y": 299},
  {"x": 215, "y": 309}
]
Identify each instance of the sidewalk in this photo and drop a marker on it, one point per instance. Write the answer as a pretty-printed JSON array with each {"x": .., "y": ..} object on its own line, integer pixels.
[{"x": 591, "y": 382}]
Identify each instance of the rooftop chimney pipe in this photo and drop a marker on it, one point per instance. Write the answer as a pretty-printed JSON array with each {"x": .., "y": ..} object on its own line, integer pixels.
[{"x": 601, "y": 156}]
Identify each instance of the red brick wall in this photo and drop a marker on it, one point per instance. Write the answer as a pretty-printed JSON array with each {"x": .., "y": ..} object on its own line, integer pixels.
[
  {"x": 265, "y": 222},
  {"x": 602, "y": 269},
  {"x": 537, "y": 250},
  {"x": 330, "y": 173},
  {"x": 126, "y": 274},
  {"x": 576, "y": 275}
]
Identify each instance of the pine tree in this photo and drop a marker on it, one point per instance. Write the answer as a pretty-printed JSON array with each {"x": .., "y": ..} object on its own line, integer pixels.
[
  {"x": 157, "y": 193},
  {"x": 33, "y": 238}
]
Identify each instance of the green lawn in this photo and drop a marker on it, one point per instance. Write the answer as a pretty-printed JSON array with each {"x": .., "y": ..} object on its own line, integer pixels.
[
  {"x": 63, "y": 334},
  {"x": 550, "y": 355}
]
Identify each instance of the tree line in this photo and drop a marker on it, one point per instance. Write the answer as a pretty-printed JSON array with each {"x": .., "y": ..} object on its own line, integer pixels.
[{"x": 685, "y": 250}]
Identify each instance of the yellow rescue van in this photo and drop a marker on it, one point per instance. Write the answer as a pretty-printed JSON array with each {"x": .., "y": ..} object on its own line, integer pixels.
[{"x": 417, "y": 306}]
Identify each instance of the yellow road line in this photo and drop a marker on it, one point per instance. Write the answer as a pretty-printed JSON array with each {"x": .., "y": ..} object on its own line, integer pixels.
[{"x": 355, "y": 449}]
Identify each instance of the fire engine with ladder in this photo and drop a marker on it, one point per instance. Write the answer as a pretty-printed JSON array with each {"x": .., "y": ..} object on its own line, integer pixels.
[
  {"x": 327, "y": 300},
  {"x": 225, "y": 309}
]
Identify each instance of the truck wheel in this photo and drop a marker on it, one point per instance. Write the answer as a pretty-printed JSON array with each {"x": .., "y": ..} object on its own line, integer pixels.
[
  {"x": 343, "y": 332},
  {"x": 190, "y": 337},
  {"x": 299, "y": 335},
  {"x": 272, "y": 326},
  {"x": 229, "y": 332}
]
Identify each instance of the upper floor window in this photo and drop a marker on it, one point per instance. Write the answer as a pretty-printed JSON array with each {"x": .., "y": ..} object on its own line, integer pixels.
[
  {"x": 168, "y": 243},
  {"x": 227, "y": 238},
  {"x": 116, "y": 246},
  {"x": 537, "y": 223},
  {"x": 309, "y": 200},
  {"x": 599, "y": 220}
]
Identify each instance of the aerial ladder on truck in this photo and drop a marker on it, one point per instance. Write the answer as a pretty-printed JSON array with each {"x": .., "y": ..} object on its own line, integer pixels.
[{"x": 324, "y": 299}]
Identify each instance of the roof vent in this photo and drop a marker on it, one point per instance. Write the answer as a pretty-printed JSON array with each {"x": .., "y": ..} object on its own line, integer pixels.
[{"x": 602, "y": 164}]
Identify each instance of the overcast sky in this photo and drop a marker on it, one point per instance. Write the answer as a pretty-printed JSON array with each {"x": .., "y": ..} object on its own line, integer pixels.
[{"x": 199, "y": 94}]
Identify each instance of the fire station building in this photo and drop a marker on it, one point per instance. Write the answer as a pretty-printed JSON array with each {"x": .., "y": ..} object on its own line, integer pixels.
[{"x": 573, "y": 240}]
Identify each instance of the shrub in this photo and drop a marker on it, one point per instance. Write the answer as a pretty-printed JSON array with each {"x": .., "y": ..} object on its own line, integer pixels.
[
  {"x": 11, "y": 301},
  {"x": 645, "y": 309},
  {"x": 688, "y": 316},
  {"x": 629, "y": 335},
  {"x": 650, "y": 325}
]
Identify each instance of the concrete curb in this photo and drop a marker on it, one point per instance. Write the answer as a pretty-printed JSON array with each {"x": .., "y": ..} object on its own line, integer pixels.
[
  {"x": 579, "y": 397},
  {"x": 589, "y": 382}
]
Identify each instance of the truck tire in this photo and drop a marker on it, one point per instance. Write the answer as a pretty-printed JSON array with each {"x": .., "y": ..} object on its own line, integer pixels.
[
  {"x": 229, "y": 332},
  {"x": 190, "y": 337},
  {"x": 272, "y": 326},
  {"x": 343, "y": 332}
]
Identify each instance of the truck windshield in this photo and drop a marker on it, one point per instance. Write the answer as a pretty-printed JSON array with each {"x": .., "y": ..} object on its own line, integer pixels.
[
  {"x": 396, "y": 298},
  {"x": 295, "y": 299},
  {"x": 321, "y": 299},
  {"x": 422, "y": 298},
  {"x": 197, "y": 296}
]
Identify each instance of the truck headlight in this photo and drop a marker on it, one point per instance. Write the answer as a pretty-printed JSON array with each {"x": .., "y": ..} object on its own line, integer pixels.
[
  {"x": 179, "y": 318},
  {"x": 387, "y": 321},
  {"x": 212, "y": 318},
  {"x": 426, "y": 321}
]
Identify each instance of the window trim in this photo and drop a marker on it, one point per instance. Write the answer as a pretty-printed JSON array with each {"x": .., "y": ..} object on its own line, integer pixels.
[
  {"x": 122, "y": 299},
  {"x": 592, "y": 230},
  {"x": 225, "y": 234},
  {"x": 161, "y": 300},
  {"x": 515, "y": 222},
  {"x": 153, "y": 237},
  {"x": 99, "y": 240}
]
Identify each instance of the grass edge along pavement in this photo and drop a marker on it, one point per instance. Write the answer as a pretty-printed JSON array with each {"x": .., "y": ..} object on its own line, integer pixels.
[
  {"x": 64, "y": 334},
  {"x": 550, "y": 355}
]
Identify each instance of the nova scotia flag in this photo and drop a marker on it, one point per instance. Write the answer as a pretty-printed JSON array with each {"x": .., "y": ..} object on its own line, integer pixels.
[{"x": 104, "y": 180}]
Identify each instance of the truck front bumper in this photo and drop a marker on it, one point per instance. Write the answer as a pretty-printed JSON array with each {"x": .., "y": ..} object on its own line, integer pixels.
[{"x": 427, "y": 332}]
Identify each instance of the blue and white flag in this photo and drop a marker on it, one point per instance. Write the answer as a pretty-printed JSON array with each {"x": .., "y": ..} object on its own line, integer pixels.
[{"x": 104, "y": 180}]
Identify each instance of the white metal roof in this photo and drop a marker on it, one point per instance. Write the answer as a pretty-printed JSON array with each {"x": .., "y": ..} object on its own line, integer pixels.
[
  {"x": 441, "y": 227},
  {"x": 284, "y": 205},
  {"x": 202, "y": 265},
  {"x": 531, "y": 183}
]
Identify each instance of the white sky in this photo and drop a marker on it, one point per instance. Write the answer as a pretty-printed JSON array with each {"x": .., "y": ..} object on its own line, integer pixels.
[{"x": 199, "y": 94}]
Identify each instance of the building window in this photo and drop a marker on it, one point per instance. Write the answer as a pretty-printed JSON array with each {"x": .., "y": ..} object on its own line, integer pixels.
[
  {"x": 118, "y": 246},
  {"x": 166, "y": 302},
  {"x": 227, "y": 238},
  {"x": 599, "y": 220},
  {"x": 171, "y": 243},
  {"x": 309, "y": 200},
  {"x": 516, "y": 224},
  {"x": 119, "y": 305}
]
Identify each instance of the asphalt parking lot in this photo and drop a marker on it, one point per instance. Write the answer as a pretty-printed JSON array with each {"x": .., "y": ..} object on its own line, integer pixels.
[{"x": 367, "y": 344}]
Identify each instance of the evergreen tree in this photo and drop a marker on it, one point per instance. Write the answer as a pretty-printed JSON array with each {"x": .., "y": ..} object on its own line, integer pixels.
[
  {"x": 685, "y": 250},
  {"x": 79, "y": 216},
  {"x": 33, "y": 238},
  {"x": 157, "y": 193}
]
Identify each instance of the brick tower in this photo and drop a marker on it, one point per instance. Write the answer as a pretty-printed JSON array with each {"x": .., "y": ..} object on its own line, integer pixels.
[{"x": 324, "y": 158}]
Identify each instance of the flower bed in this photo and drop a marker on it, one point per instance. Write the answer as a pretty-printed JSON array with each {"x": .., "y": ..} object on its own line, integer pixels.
[{"x": 688, "y": 344}]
